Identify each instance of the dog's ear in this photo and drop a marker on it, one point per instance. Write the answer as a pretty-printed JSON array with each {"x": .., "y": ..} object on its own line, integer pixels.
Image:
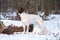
[{"x": 20, "y": 10}]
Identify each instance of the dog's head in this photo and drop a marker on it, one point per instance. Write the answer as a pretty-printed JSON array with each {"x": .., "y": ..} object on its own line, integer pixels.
[{"x": 20, "y": 10}]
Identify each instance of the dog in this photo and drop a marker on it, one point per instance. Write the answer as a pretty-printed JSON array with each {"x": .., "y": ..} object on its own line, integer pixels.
[{"x": 30, "y": 19}]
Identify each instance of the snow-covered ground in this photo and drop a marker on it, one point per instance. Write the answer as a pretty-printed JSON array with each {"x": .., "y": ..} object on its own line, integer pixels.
[
  {"x": 26, "y": 37},
  {"x": 53, "y": 27}
]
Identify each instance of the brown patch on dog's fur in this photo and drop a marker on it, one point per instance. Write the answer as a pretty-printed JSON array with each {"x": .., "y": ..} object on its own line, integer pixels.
[{"x": 20, "y": 10}]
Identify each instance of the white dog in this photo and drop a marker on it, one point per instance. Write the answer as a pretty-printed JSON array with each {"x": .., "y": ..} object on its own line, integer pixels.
[{"x": 31, "y": 19}]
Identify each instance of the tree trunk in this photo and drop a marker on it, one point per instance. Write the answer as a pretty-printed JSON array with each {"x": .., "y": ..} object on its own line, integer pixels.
[
  {"x": 36, "y": 1},
  {"x": 47, "y": 7},
  {"x": 56, "y": 8},
  {"x": 42, "y": 5}
]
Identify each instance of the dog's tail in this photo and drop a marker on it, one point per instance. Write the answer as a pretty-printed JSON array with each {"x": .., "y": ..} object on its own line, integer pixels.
[
  {"x": 42, "y": 14},
  {"x": 40, "y": 23}
]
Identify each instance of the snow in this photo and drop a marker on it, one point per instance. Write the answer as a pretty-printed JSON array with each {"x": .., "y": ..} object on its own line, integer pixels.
[
  {"x": 11, "y": 14},
  {"x": 26, "y": 37},
  {"x": 40, "y": 13},
  {"x": 8, "y": 15},
  {"x": 56, "y": 16},
  {"x": 13, "y": 22},
  {"x": 52, "y": 26},
  {"x": 2, "y": 17}
]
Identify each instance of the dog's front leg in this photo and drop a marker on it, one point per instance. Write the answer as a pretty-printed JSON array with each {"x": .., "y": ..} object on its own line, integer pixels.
[
  {"x": 24, "y": 30},
  {"x": 27, "y": 29}
]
